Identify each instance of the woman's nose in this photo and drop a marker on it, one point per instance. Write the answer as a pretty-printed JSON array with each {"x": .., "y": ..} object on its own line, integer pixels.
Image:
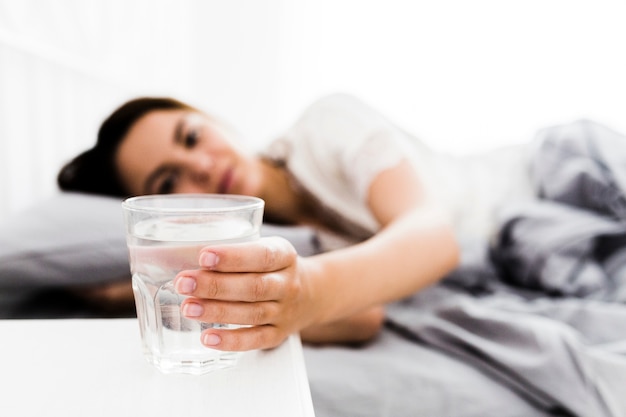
[{"x": 200, "y": 168}]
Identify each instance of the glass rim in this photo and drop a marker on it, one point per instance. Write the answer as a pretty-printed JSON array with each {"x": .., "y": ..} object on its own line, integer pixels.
[{"x": 132, "y": 203}]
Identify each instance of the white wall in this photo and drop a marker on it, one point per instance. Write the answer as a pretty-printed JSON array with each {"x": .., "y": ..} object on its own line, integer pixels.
[
  {"x": 65, "y": 64},
  {"x": 464, "y": 75}
]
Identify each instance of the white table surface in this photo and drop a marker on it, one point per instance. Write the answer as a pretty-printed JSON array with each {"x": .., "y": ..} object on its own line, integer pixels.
[{"x": 89, "y": 367}]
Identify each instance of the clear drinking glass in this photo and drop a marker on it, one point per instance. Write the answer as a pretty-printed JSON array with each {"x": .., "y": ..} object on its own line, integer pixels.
[{"x": 165, "y": 234}]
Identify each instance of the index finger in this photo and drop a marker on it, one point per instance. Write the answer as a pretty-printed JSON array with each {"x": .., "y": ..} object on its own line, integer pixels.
[{"x": 264, "y": 255}]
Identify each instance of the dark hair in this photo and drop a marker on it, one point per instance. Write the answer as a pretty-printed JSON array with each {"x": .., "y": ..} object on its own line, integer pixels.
[{"x": 94, "y": 171}]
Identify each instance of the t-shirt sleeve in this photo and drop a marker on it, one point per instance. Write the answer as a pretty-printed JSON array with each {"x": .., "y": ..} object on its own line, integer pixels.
[{"x": 349, "y": 140}]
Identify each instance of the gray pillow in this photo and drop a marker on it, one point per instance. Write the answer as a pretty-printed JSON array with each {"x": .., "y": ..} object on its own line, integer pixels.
[{"x": 74, "y": 239}]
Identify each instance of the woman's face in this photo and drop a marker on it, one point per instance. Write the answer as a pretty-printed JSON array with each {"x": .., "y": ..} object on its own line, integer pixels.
[{"x": 181, "y": 151}]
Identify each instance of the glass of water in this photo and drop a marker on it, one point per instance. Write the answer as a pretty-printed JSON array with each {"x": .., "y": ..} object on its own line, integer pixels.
[{"x": 164, "y": 234}]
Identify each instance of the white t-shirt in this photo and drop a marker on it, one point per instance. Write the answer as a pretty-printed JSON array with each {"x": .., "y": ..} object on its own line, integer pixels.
[{"x": 340, "y": 144}]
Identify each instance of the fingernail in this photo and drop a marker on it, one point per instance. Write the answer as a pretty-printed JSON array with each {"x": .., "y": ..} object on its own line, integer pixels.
[
  {"x": 192, "y": 310},
  {"x": 208, "y": 259},
  {"x": 185, "y": 285},
  {"x": 211, "y": 339}
]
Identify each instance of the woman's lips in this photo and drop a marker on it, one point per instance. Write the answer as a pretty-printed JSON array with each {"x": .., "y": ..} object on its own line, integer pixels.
[{"x": 226, "y": 181}]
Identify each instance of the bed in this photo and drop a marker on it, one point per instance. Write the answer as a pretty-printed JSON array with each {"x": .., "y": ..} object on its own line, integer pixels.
[{"x": 532, "y": 323}]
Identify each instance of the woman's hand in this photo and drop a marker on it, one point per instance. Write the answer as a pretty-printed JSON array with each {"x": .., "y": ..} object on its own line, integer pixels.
[{"x": 263, "y": 283}]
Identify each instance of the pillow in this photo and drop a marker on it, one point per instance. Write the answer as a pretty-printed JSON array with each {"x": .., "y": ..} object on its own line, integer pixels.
[{"x": 74, "y": 239}]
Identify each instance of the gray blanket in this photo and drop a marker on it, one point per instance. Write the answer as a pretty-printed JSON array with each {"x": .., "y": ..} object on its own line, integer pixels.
[{"x": 533, "y": 324}]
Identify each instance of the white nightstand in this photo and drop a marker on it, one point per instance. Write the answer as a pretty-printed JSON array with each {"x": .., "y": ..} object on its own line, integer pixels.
[{"x": 95, "y": 368}]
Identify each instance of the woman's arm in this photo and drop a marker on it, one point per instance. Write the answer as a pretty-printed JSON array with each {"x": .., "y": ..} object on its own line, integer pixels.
[
  {"x": 267, "y": 285},
  {"x": 415, "y": 247},
  {"x": 393, "y": 194}
]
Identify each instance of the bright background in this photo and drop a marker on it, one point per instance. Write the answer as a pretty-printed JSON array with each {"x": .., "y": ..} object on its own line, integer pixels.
[{"x": 464, "y": 75}]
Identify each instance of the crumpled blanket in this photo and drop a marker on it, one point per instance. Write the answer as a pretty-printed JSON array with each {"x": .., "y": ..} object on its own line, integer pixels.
[
  {"x": 572, "y": 241},
  {"x": 531, "y": 324}
]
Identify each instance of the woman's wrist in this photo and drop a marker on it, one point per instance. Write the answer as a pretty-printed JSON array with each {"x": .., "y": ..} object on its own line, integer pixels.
[{"x": 357, "y": 329}]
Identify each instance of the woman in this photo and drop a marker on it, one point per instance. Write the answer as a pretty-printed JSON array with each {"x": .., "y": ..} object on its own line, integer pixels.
[{"x": 342, "y": 169}]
